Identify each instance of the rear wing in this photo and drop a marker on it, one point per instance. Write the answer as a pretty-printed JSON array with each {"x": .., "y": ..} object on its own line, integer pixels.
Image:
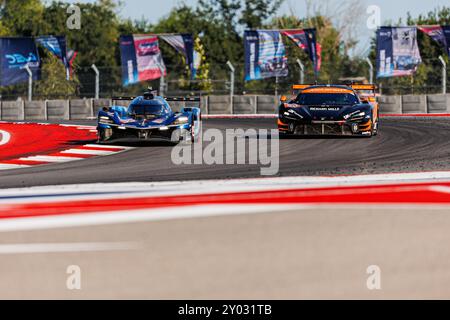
[
  {"x": 296, "y": 87},
  {"x": 169, "y": 99},
  {"x": 370, "y": 96},
  {"x": 183, "y": 99},
  {"x": 364, "y": 87},
  {"x": 356, "y": 87}
]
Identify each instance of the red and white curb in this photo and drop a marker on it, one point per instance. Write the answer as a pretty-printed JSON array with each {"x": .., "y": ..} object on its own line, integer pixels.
[
  {"x": 24, "y": 145},
  {"x": 73, "y": 154},
  {"x": 100, "y": 204}
]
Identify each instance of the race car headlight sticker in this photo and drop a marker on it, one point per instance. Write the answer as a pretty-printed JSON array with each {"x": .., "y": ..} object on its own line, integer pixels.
[
  {"x": 181, "y": 120},
  {"x": 355, "y": 114},
  {"x": 164, "y": 128},
  {"x": 292, "y": 112}
]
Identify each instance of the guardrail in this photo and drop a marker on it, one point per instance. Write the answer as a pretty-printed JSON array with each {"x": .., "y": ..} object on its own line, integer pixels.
[{"x": 81, "y": 109}]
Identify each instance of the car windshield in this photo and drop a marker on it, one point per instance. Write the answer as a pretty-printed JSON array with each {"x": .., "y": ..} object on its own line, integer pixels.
[
  {"x": 326, "y": 99},
  {"x": 155, "y": 108}
]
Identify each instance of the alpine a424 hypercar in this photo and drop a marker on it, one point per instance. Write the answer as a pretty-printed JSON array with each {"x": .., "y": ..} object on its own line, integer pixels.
[
  {"x": 330, "y": 110},
  {"x": 150, "y": 117}
]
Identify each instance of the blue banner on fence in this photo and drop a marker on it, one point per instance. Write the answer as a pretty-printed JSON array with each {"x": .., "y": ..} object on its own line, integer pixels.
[
  {"x": 58, "y": 46},
  {"x": 273, "y": 61},
  {"x": 265, "y": 55},
  {"x": 16, "y": 53},
  {"x": 306, "y": 39},
  {"x": 251, "y": 44},
  {"x": 141, "y": 59},
  {"x": 184, "y": 44},
  {"x": 440, "y": 34},
  {"x": 397, "y": 51}
]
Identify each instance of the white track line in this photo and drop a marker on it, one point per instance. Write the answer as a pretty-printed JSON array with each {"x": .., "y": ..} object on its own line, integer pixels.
[
  {"x": 6, "y": 166},
  {"x": 23, "y": 248},
  {"x": 50, "y": 159},
  {"x": 108, "y": 147},
  {"x": 89, "y": 152}
]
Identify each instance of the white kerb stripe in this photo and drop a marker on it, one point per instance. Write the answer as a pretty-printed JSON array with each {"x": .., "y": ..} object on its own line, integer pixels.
[
  {"x": 50, "y": 159},
  {"x": 23, "y": 248},
  {"x": 91, "y": 152},
  {"x": 7, "y": 166},
  {"x": 107, "y": 147}
]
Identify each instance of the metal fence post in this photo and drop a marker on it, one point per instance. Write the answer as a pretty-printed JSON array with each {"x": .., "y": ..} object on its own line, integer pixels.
[
  {"x": 232, "y": 79},
  {"x": 97, "y": 81},
  {"x": 30, "y": 82},
  {"x": 444, "y": 75},
  {"x": 370, "y": 70},
  {"x": 302, "y": 71}
]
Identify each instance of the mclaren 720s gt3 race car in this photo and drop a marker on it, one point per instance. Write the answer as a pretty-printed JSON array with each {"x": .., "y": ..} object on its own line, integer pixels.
[{"x": 330, "y": 110}]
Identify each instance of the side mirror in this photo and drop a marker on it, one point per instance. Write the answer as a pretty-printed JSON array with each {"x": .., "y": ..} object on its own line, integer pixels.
[{"x": 283, "y": 99}]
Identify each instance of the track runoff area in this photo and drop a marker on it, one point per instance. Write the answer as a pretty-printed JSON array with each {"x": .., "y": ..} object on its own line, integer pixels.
[{"x": 242, "y": 237}]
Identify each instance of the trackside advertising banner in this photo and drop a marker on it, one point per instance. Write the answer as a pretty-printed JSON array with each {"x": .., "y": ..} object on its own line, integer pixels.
[
  {"x": 183, "y": 44},
  {"x": 397, "y": 51},
  {"x": 16, "y": 53},
  {"x": 306, "y": 40},
  {"x": 265, "y": 55},
  {"x": 251, "y": 47},
  {"x": 57, "y": 46},
  {"x": 141, "y": 59},
  {"x": 440, "y": 34}
]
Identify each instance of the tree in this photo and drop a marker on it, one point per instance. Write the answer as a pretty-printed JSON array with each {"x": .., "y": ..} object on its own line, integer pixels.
[
  {"x": 256, "y": 12},
  {"x": 53, "y": 84}
]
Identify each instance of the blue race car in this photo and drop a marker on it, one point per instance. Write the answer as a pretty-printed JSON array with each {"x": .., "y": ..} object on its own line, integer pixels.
[{"x": 150, "y": 117}]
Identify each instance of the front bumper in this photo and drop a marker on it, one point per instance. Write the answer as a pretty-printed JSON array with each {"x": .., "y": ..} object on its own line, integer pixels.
[
  {"x": 312, "y": 128},
  {"x": 166, "y": 133}
]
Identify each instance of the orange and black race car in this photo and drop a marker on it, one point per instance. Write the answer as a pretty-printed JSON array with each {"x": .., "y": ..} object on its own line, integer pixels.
[{"x": 330, "y": 110}]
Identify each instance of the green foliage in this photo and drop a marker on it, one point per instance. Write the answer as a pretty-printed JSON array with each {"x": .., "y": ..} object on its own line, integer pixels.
[
  {"x": 54, "y": 84},
  {"x": 217, "y": 26}
]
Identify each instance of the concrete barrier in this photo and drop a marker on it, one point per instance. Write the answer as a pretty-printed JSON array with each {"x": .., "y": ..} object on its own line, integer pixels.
[
  {"x": 438, "y": 103},
  {"x": 13, "y": 110},
  {"x": 219, "y": 105},
  {"x": 390, "y": 104},
  {"x": 80, "y": 109},
  {"x": 35, "y": 110},
  {"x": 267, "y": 104},
  {"x": 244, "y": 104},
  {"x": 414, "y": 104},
  {"x": 122, "y": 103},
  {"x": 98, "y": 104},
  {"x": 58, "y": 110}
]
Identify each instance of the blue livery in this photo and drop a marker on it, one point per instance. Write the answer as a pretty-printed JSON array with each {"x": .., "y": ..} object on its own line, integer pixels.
[{"x": 150, "y": 117}]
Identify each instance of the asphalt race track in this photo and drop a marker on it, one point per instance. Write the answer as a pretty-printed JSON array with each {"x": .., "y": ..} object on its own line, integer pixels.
[
  {"x": 211, "y": 246},
  {"x": 403, "y": 145}
]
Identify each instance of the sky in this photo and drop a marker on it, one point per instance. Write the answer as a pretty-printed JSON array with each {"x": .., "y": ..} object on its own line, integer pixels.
[{"x": 390, "y": 10}]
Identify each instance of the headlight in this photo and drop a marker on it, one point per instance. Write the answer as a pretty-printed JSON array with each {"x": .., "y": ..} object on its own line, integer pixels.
[
  {"x": 104, "y": 119},
  {"x": 292, "y": 113},
  {"x": 181, "y": 120},
  {"x": 354, "y": 115}
]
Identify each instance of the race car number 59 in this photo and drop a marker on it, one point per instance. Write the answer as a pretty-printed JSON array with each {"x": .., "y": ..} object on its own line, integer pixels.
[{"x": 4, "y": 137}]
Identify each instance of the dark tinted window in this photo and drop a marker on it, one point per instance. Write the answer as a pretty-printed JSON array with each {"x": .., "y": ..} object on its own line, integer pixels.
[
  {"x": 149, "y": 107},
  {"x": 326, "y": 99}
]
